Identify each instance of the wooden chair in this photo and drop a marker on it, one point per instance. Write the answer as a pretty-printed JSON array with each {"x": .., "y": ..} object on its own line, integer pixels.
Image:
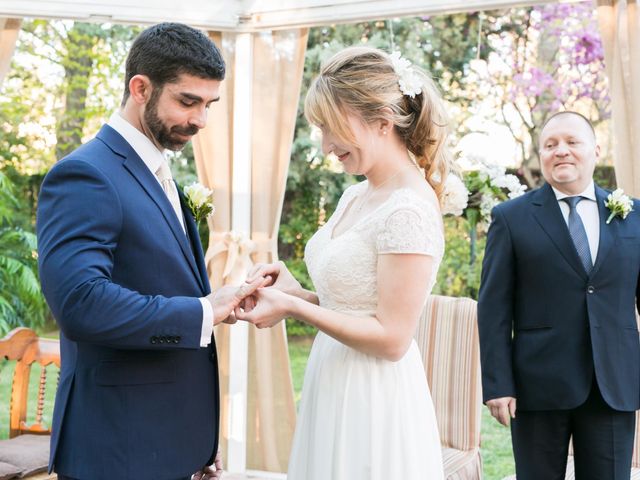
[
  {"x": 27, "y": 448},
  {"x": 447, "y": 336}
]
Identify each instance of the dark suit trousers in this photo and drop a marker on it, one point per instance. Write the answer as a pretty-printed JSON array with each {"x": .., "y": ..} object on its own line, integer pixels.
[
  {"x": 64, "y": 477},
  {"x": 602, "y": 441}
]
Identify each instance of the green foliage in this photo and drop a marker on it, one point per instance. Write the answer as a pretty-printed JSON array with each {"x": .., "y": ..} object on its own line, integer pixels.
[
  {"x": 605, "y": 176},
  {"x": 298, "y": 269},
  {"x": 59, "y": 89},
  {"x": 457, "y": 276},
  {"x": 21, "y": 301}
]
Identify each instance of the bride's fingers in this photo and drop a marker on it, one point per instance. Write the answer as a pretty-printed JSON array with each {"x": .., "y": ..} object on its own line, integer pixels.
[
  {"x": 248, "y": 304},
  {"x": 249, "y": 287},
  {"x": 263, "y": 270},
  {"x": 243, "y": 315},
  {"x": 254, "y": 271}
]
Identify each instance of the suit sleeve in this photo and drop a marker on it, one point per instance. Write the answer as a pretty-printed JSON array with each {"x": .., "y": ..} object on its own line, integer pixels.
[
  {"x": 78, "y": 224},
  {"x": 495, "y": 311},
  {"x": 636, "y": 208}
]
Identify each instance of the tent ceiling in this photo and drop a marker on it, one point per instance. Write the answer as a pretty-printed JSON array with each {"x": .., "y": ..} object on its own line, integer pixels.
[{"x": 243, "y": 15}]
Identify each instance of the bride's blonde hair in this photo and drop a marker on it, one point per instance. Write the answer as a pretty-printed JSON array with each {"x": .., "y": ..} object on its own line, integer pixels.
[{"x": 362, "y": 81}]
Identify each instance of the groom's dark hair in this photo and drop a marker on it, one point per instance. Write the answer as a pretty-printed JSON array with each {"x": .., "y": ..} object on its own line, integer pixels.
[{"x": 165, "y": 51}]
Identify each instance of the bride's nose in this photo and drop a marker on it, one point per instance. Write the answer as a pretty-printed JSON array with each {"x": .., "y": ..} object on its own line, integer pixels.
[{"x": 327, "y": 146}]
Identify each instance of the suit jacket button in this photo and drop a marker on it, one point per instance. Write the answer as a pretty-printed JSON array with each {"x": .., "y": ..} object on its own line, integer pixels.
[
  {"x": 153, "y": 340},
  {"x": 590, "y": 289},
  {"x": 176, "y": 339}
]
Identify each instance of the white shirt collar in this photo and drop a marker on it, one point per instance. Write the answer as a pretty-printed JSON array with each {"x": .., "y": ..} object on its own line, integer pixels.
[
  {"x": 589, "y": 192},
  {"x": 146, "y": 150}
]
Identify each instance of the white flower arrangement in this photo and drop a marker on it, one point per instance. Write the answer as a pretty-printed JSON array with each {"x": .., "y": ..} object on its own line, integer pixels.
[
  {"x": 619, "y": 204},
  {"x": 408, "y": 79},
  {"x": 488, "y": 185},
  {"x": 199, "y": 201},
  {"x": 455, "y": 196}
]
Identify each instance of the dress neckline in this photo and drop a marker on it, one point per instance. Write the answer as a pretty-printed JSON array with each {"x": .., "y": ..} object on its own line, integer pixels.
[{"x": 341, "y": 213}]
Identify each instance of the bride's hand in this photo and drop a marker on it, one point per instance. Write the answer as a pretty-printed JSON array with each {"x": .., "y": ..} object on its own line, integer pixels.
[
  {"x": 282, "y": 278},
  {"x": 270, "y": 308}
]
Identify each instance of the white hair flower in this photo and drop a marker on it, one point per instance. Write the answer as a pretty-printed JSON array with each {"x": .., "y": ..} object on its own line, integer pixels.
[{"x": 408, "y": 79}]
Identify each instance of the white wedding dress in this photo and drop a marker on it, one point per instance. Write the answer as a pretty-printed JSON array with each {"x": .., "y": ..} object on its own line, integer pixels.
[{"x": 362, "y": 417}]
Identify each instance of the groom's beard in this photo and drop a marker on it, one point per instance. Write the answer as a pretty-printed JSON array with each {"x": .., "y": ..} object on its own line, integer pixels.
[{"x": 166, "y": 136}]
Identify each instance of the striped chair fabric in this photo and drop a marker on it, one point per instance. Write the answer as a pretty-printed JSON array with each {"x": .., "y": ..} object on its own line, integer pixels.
[{"x": 447, "y": 336}]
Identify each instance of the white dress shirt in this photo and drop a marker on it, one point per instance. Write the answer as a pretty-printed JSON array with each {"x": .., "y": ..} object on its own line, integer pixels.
[
  {"x": 152, "y": 158},
  {"x": 587, "y": 208}
]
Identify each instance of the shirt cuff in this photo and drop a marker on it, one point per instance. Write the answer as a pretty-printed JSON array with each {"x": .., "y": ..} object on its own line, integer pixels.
[{"x": 207, "y": 323}]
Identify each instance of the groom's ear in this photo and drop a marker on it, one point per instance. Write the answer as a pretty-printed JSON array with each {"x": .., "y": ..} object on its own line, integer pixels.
[{"x": 140, "y": 89}]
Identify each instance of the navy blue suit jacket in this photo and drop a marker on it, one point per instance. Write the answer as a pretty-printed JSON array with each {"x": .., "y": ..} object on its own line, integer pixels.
[
  {"x": 545, "y": 324},
  {"x": 138, "y": 396}
]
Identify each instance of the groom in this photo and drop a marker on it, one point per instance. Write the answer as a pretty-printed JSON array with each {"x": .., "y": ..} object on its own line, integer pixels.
[
  {"x": 122, "y": 269},
  {"x": 557, "y": 316}
]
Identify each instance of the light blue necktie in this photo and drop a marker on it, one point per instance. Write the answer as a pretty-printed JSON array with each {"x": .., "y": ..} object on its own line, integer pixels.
[{"x": 578, "y": 233}]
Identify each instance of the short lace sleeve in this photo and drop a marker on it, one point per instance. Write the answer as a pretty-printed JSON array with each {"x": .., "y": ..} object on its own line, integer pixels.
[{"x": 411, "y": 229}]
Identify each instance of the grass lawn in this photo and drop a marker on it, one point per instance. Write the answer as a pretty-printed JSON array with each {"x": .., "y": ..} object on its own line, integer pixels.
[
  {"x": 6, "y": 376},
  {"x": 496, "y": 439}
]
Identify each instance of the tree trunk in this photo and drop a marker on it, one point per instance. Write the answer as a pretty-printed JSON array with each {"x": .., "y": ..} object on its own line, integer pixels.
[{"x": 78, "y": 64}]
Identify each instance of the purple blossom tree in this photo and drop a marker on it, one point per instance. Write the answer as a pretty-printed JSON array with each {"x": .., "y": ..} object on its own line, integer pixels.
[{"x": 554, "y": 60}]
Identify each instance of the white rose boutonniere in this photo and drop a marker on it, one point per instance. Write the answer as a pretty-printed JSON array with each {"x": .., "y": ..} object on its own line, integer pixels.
[
  {"x": 199, "y": 201},
  {"x": 618, "y": 204}
]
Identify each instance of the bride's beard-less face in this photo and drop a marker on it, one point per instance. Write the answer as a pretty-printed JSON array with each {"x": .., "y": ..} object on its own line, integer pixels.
[{"x": 170, "y": 137}]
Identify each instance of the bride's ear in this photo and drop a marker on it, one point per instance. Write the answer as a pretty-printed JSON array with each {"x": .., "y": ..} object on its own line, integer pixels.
[{"x": 385, "y": 125}]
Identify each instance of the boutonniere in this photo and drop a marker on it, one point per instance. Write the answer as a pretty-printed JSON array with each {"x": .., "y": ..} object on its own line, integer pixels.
[
  {"x": 618, "y": 204},
  {"x": 199, "y": 201}
]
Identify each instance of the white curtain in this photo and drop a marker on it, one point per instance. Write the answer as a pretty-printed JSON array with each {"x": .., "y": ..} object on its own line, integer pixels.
[
  {"x": 619, "y": 22},
  {"x": 9, "y": 29},
  {"x": 278, "y": 61}
]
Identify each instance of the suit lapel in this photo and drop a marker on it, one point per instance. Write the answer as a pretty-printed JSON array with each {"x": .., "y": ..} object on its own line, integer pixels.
[
  {"x": 196, "y": 245},
  {"x": 607, "y": 237},
  {"x": 547, "y": 213},
  {"x": 137, "y": 168}
]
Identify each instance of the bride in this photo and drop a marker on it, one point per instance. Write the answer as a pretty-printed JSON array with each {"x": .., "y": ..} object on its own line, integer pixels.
[{"x": 366, "y": 411}]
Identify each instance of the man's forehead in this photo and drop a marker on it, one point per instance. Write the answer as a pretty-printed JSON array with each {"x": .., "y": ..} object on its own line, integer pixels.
[
  {"x": 567, "y": 124},
  {"x": 195, "y": 86}
]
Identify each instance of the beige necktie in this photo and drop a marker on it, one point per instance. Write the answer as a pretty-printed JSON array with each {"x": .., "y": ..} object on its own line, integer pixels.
[{"x": 168, "y": 185}]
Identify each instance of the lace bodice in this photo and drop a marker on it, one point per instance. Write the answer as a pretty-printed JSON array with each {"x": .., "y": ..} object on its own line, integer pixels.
[{"x": 343, "y": 268}]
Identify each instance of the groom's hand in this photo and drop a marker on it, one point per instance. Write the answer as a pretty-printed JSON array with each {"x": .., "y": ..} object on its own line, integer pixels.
[
  {"x": 271, "y": 307},
  {"x": 502, "y": 409},
  {"x": 228, "y": 298},
  {"x": 282, "y": 278},
  {"x": 211, "y": 472}
]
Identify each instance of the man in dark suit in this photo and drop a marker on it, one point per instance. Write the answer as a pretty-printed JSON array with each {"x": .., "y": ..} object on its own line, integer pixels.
[
  {"x": 122, "y": 269},
  {"x": 557, "y": 316}
]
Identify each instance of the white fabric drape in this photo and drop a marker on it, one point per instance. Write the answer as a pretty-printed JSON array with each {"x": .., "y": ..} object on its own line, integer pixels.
[
  {"x": 9, "y": 29},
  {"x": 278, "y": 60},
  {"x": 619, "y": 22}
]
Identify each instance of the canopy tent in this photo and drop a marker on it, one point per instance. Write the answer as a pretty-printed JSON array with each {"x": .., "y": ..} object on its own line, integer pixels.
[
  {"x": 244, "y": 152},
  {"x": 243, "y": 16}
]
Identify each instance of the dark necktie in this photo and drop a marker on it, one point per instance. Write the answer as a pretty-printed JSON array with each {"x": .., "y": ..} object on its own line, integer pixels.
[{"x": 578, "y": 233}]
